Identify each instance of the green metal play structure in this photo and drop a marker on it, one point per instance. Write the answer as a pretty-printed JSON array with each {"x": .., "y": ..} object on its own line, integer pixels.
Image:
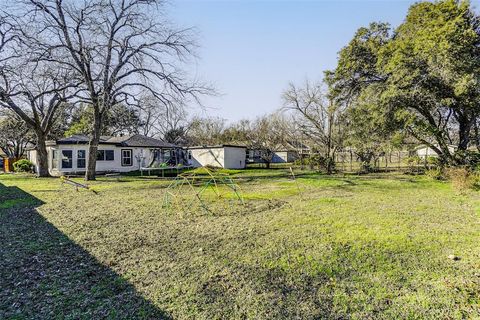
[{"x": 189, "y": 189}]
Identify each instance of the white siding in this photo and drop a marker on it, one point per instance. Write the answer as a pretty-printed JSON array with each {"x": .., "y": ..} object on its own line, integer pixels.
[
  {"x": 426, "y": 152},
  {"x": 235, "y": 158},
  {"x": 32, "y": 156},
  {"x": 214, "y": 157},
  {"x": 220, "y": 157},
  {"x": 284, "y": 156},
  {"x": 429, "y": 152},
  {"x": 141, "y": 157}
]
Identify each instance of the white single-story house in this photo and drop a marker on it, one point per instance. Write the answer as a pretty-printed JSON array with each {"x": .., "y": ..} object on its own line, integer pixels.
[
  {"x": 115, "y": 154},
  {"x": 221, "y": 156}
]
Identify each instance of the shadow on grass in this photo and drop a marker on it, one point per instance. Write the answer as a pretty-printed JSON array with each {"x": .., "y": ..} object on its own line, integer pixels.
[{"x": 45, "y": 275}]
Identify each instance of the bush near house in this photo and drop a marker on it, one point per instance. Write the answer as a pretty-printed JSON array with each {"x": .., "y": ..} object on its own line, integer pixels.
[{"x": 23, "y": 165}]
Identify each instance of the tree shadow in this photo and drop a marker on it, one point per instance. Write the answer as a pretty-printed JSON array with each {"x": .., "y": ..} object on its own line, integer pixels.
[{"x": 45, "y": 275}]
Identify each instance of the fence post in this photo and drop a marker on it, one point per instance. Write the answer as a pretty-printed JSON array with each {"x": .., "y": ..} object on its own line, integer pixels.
[
  {"x": 399, "y": 160},
  {"x": 351, "y": 161}
]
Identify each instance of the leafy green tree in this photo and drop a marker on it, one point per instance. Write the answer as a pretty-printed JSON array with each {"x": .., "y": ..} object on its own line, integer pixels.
[
  {"x": 14, "y": 135},
  {"x": 358, "y": 66},
  {"x": 427, "y": 71},
  {"x": 372, "y": 130},
  {"x": 434, "y": 67},
  {"x": 176, "y": 136},
  {"x": 119, "y": 119}
]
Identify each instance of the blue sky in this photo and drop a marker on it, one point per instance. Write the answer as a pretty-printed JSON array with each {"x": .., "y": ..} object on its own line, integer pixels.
[{"x": 250, "y": 50}]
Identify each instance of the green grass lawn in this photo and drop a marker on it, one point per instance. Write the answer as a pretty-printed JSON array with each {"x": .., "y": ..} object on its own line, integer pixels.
[{"x": 343, "y": 247}]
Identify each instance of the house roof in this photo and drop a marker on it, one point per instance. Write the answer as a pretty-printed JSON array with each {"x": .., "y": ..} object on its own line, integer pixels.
[
  {"x": 138, "y": 140},
  {"x": 135, "y": 140}
]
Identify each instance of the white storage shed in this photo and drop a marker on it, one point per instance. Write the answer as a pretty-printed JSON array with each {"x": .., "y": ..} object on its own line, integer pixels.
[{"x": 221, "y": 156}]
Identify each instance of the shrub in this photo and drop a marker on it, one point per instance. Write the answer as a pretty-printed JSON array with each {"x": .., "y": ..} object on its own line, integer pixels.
[
  {"x": 319, "y": 161},
  {"x": 366, "y": 167},
  {"x": 23, "y": 165},
  {"x": 413, "y": 164},
  {"x": 470, "y": 158},
  {"x": 462, "y": 179},
  {"x": 433, "y": 161},
  {"x": 436, "y": 174},
  {"x": 413, "y": 161}
]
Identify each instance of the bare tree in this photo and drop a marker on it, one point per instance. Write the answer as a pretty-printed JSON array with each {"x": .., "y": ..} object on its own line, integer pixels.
[
  {"x": 206, "y": 131},
  {"x": 36, "y": 99},
  {"x": 173, "y": 118},
  {"x": 237, "y": 132},
  {"x": 120, "y": 49},
  {"x": 267, "y": 134},
  {"x": 160, "y": 119},
  {"x": 33, "y": 90},
  {"x": 149, "y": 115},
  {"x": 14, "y": 135},
  {"x": 317, "y": 117}
]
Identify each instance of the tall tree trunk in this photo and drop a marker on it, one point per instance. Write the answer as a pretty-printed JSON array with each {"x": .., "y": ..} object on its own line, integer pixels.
[
  {"x": 465, "y": 128},
  {"x": 477, "y": 135},
  {"x": 90, "y": 174},
  {"x": 464, "y": 132},
  {"x": 330, "y": 154},
  {"x": 42, "y": 156}
]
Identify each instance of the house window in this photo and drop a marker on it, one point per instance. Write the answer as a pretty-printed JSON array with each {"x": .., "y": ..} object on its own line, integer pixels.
[
  {"x": 166, "y": 155},
  {"x": 105, "y": 155},
  {"x": 81, "y": 159},
  {"x": 67, "y": 159},
  {"x": 100, "y": 155},
  {"x": 127, "y": 157},
  {"x": 109, "y": 155}
]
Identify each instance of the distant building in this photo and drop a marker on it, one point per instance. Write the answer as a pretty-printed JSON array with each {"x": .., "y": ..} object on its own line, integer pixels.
[
  {"x": 424, "y": 151},
  {"x": 254, "y": 156},
  {"x": 285, "y": 156},
  {"x": 288, "y": 152},
  {"x": 220, "y": 156}
]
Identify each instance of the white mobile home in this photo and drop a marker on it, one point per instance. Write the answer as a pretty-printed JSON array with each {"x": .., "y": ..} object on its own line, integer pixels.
[
  {"x": 115, "y": 154},
  {"x": 221, "y": 156}
]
